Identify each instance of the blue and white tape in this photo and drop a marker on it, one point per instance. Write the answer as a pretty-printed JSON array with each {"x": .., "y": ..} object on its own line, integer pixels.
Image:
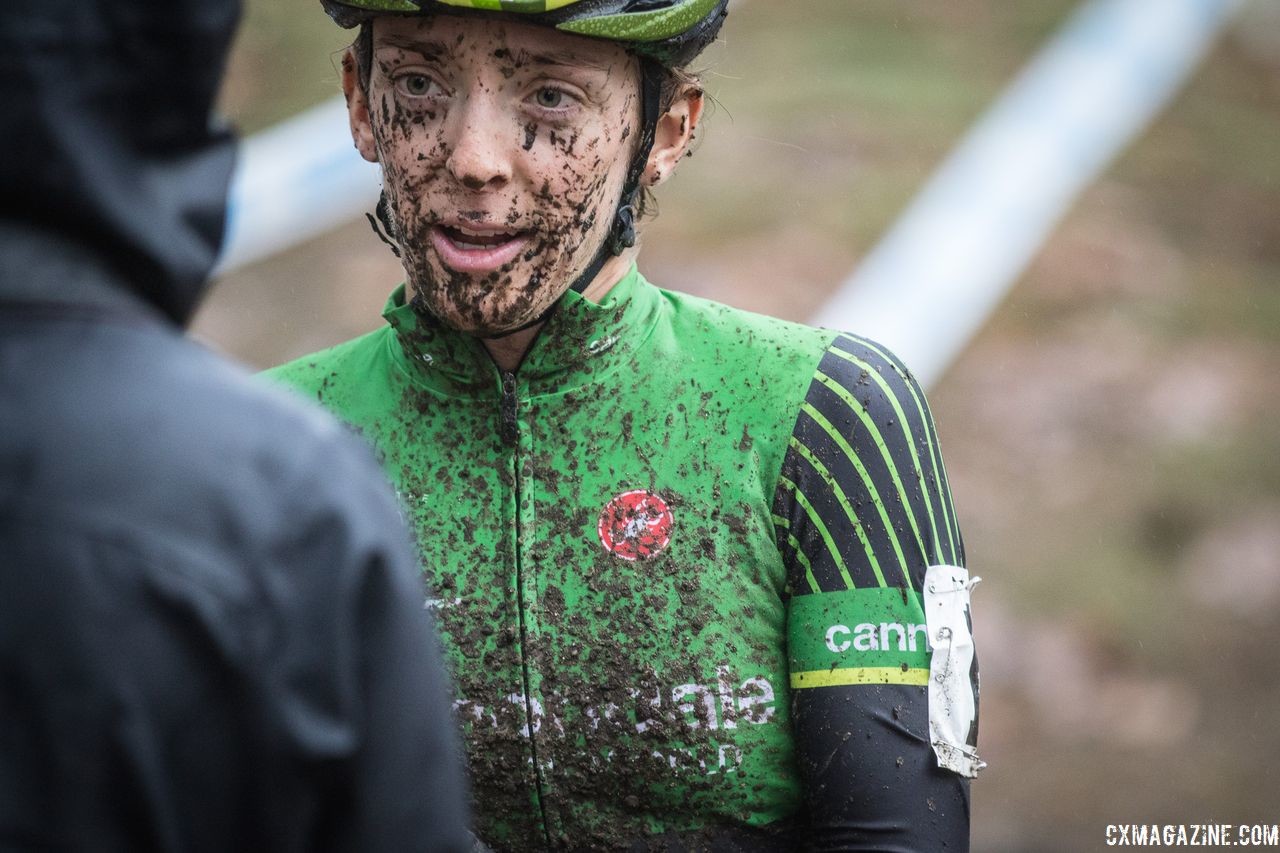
[
  {"x": 294, "y": 182},
  {"x": 940, "y": 271}
]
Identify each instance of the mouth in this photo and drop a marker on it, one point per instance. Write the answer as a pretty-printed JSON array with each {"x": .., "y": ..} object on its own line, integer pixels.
[{"x": 472, "y": 249}]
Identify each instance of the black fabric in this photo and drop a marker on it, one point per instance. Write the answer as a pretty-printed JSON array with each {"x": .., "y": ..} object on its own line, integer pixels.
[
  {"x": 212, "y": 634},
  {"x": 211, "y": 638}
]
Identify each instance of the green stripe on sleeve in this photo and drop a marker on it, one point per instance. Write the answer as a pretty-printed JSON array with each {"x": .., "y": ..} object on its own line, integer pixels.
[
  {"x": 841, "y": 499},
  {"x": 860, "y": 675},
  {"x": 784, "y": 525},
  {"x": 874, "y": 431},
  {"x": 816, "y": 520},
  {"x": 834, "y": 434},
  {"x": 906, "y": 433},
  {"x": 857, "y": 636},
  {"x": 935, "y": 457}
]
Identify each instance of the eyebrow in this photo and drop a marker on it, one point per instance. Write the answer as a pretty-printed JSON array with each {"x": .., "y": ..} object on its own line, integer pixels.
[
  {"x": 427, "y": 49},
  {"x": 431, "y": 49},
  {"x": 555, "y": 58}
]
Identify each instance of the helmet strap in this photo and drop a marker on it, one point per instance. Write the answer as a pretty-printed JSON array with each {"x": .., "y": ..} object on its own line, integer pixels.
[
  {"x": 622, "y": 233},
  {"x": 382, "y": 225}
]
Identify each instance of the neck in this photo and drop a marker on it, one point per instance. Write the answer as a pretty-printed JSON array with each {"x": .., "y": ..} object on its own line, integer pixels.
[{"x": 508, "y": 351}]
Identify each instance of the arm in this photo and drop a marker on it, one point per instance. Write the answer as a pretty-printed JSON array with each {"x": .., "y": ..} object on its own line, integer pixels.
[{"x": 862, "y": 512}]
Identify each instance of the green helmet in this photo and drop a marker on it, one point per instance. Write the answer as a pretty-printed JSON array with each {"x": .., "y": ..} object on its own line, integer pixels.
[{"x": 671, "y": 32}]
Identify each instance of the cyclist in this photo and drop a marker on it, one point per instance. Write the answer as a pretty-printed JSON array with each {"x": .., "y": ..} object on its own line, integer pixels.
[{"x": 698, "y": 570}]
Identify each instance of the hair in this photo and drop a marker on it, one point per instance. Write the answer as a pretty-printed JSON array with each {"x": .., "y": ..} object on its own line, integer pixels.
[
  {"x": 676, "y": 81},
  {"x": 362, "y": 49}
]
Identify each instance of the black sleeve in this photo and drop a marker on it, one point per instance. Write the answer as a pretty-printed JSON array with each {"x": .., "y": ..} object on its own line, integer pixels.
[
  {"x": 395, "y": 779},
  {"x": 862, "y": 510}
]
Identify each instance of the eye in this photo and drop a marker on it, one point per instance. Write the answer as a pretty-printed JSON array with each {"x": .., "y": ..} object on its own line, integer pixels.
[
  {"x": 414, "y": 85},
  {"x": 550, "y": 99}
]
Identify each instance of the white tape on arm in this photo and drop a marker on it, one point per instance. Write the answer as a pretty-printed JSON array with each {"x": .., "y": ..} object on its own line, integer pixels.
[{"x": 953, "y": 694}]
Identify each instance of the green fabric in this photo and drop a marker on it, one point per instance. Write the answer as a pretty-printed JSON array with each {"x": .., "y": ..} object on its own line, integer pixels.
[
  {"x": 601, "y": 698},
  {"x": 858, "y": 636}
]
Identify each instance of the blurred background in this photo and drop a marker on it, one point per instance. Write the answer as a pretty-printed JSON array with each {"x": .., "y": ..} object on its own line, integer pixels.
[{"x": 1112, "y": 432}]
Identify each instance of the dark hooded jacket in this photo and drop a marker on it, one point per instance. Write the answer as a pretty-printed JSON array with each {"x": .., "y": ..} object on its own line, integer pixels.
[{"x": 212, "y": 634}]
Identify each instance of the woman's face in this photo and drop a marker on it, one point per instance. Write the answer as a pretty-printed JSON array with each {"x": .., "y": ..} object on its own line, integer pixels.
[{"x": 504, "y": 148}]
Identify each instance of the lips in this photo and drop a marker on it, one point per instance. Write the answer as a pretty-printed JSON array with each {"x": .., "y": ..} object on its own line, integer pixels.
[{"x": 473, "y": 249}]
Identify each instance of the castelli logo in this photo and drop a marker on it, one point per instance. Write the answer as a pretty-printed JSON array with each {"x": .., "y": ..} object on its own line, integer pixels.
[{"x": 636, "y": 525}]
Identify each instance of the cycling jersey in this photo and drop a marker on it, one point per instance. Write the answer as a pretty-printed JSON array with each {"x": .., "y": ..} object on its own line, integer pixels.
[{"x": 680, "y": 558}]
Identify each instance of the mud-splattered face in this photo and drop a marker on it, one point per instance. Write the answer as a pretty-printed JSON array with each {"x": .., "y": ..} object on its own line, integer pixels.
[{"x": 504, "y": 148}]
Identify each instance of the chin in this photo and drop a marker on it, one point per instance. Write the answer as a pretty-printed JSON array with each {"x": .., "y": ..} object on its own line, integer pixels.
[
  {"x": 474, "y": 320},
  {"x": 487, "y": 329},
  {"x": 482, "y": 305}
]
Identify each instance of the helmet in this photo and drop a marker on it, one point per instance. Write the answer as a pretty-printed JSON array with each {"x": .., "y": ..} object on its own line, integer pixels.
[{"x": 671, "y": 32}]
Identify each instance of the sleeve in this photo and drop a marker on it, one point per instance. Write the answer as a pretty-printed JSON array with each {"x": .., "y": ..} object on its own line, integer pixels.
[
  {"x": 883, "y": 676},
  {"x": 395, "y": 778}
]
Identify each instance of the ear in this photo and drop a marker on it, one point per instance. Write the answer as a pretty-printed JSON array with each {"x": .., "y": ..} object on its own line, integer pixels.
[
  {"x": 358, "y": 108},
  {"x": 673, "y": 135}
]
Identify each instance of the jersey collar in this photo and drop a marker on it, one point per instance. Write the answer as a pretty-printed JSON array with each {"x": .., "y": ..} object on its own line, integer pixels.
[{"x": 581, "y": 341}]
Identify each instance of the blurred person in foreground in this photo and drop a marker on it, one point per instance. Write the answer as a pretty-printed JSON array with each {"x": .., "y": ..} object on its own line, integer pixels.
[
  {"x": 691, "y": 561},
  {"x": 212, "y": 633}
]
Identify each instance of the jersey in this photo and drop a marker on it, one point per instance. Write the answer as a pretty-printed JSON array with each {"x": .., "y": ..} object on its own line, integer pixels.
[{"x": 679, "y": 558}]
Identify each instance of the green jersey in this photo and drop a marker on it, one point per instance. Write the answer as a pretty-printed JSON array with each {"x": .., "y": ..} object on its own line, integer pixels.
[{"x": 678, "y": 559}]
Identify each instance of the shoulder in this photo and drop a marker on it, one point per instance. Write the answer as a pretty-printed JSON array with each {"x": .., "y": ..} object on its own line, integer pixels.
[
  {"x": 314, "y": 372},
  {"x": 768, "y": 358},
  {"x": 867, "y": 375},
  {"x": 290, "y": 451},
  {"x": 741, "y": 330},
  {"x": 864, "y": 399},
  {"x": 153, "y": 433},
  {"x": 192, "y": 496},
  {"x": 848, "y": 365},
  {"x": 864, "y": 462}
]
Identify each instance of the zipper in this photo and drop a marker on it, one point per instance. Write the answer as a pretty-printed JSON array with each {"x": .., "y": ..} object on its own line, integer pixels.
[
  {"x": 508, "y": 409},
  {"x": 509, "y": 415}
]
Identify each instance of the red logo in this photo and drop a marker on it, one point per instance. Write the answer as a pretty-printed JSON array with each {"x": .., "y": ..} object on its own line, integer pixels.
[{"x": 635, "y": 525}]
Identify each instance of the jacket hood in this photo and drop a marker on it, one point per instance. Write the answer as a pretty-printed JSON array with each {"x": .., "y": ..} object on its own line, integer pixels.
[{"x": 108, "y": 137}]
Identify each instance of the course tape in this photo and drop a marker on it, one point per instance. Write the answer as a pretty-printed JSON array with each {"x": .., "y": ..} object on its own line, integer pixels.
[
  {"x": 927, "y": 287},
  {"x": 294, "y": 182}
]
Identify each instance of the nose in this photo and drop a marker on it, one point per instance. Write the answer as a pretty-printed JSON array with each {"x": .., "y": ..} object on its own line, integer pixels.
[{"x": 478, "y": 159}]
